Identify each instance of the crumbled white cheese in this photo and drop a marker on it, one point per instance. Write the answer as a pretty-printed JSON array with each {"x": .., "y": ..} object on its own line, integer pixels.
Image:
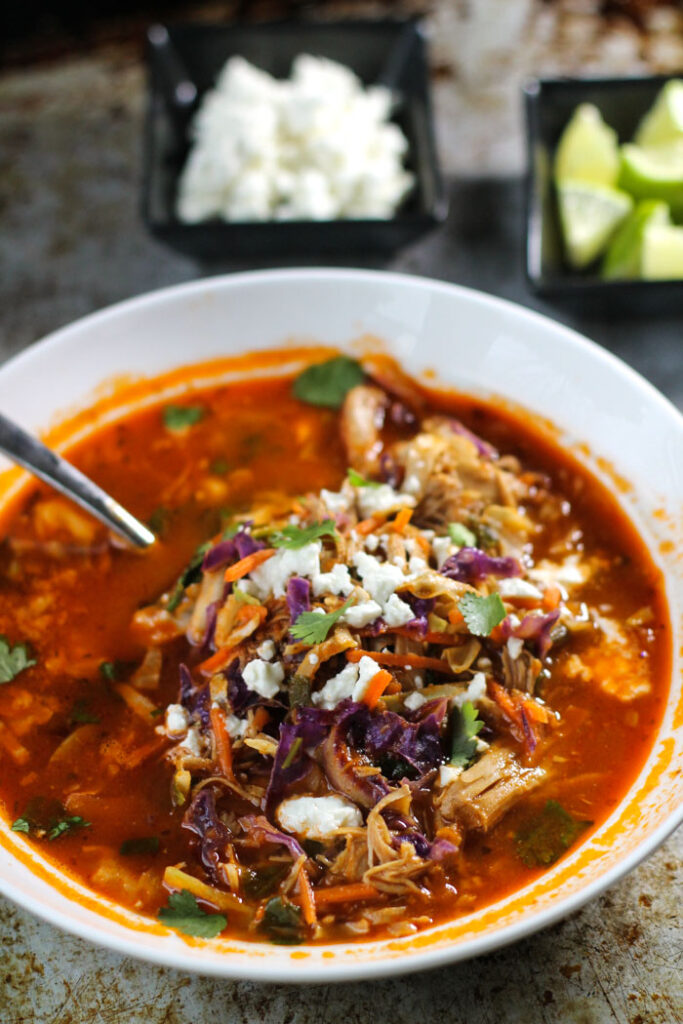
[
  {"x": 352, "y": 682},
  {"x": 381, "y": 499},
  {"x": 414, "y": 700},
  {"x": 263, "y": 677},
  {"x": 176, "y": 721},
  {"x": 367, "y": 668},
  {"x": 474, "y": 692},
  {"x": 271, "y": 576},
  {"x": 443, "y": 548},
  {"x": 266, "y": 650},
  {"x": 317, "y": 817},
  {"x": 371, "y": 542},
  {"x": 193, "y": 741},
  {"x": 236, "y": 727},
  {"x": 514, "y": 646},
  {"x": 362, "y": 614},
  {"x": 514, "y": 587},
  {"x": 396, "y": 612},
  {"x": 337, "y": 501},
  {"x": 316, "y": 146},
  {"x": 416, "y": 565},
  {"x": 448, "y": 773},
  {"x": 380, "y": 579},
  {"x": 412, "y": 484},
  {"x": 313, "y": 658},
  {"x": 337, "y": 581}
]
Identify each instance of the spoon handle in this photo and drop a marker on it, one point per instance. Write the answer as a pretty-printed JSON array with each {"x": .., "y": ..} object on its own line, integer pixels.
[{"x": 33, "y": 455}]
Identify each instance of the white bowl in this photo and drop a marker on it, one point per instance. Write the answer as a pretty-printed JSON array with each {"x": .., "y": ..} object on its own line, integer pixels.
[{"x": 621, "y": 427}]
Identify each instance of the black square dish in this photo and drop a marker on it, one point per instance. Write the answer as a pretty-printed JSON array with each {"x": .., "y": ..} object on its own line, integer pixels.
[
  {"x": 391, "y": 52},
  {"x": 549, "y": 105}
]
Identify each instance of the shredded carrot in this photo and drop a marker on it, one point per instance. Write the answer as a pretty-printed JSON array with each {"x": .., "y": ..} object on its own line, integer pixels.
[
  {"x": 351, "y": 892},
  {"x": 400, "y": 660},
  {"x": 223, "y": 741},
  {"x": 247, "y": 565},
  {"x": 552, "y": 597},
  {"x": 376, "y": 687},
  {"x": 176, "y": 878},
  {"x": 307, "y": 898},
  {"x": 261, "y": 718},
  {"x": 402, "y": 519},
  {"x": 497, "y": 634},
  {"x": 216, "y": 661},
  {"x": 535, "y": 711},
  {"x": 366, "y": 526},
  {"x": 455, "y": 617}
]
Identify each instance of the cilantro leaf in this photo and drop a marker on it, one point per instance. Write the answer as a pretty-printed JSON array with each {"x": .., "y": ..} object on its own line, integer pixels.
[
  {"x": 481, "y": 614},
  {"x": 313, "y": 627},
  {"x": 179, "y": 417},
  {"x": 282, "y": 922},
  {"x": 191, "y": 574},
  {"x": 184, "y": 913},
  {"x": 294, "y": 537},
  {"x": 109, "y": 670},
  {"x": 327, "y": 383},
  {"x": 81, "y": 714},
  {"x": 22, "y": 825},
  {"x": 466, "y": 727},
  {"x": 461, "y": 536},
  {"x": 358, "y": 480},
  {"x": 60, "y": 828},
  {"x": 546, "y": 837},
  {"x": 143, "y": 844},
  {"x": 13, "y": 660}
]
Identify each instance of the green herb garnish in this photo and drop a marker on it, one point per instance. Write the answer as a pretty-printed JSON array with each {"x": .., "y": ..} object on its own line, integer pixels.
[
  {"x": 60, "y": 828},
  {"x": 313, "y": 627},
  {"x": 481, "y": 614},
  {"x": 22, "y": 825},
  {"x": 294, "y": 537},
  {"x": 143, "y": 844},
  {"x": 358, "y": 480},
  {"x": 81, "y": 715},
  {"x": 327, "y": 383},
  {"x": 466, "y": 727},
  {"x": 548, "y": 835},
  {"x": 293, "y": 751},
  {"x": 185, "y": 915},
  {"x": 261, "y": 883},
  {"x": 180, "y": 417},
  {"x": 13, "y": 660},
  {"x": 191, "y": 574},
  {"x": 461, "y": 536},
  {"x": 243, "y": 597},
  {"x": 282, "y": 922},
  {"x": 109, "y": 670},
  {"x": 157, "y": 712}
]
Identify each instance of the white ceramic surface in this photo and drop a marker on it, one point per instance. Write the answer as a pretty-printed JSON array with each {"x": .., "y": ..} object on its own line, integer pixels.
[{"x": 478, "y": 344}]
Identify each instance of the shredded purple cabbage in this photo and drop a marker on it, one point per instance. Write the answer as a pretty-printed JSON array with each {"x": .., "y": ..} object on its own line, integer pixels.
[
  {"x": 239, "y": 694},
  {"x": 486, "y": 450},
  {"x": 209, "y": 632},
  {"x": 232, "y": 550},
  {"x": 538, "y": 627},
  {"x": 470, "y": 565},
  {"x": 212, "y": 834},
  {"x": 195, "y": 699},
  {"x": 298, "y": 596},
  {"x": 422, "y": 607},
  {"x": 259, "y": 828},
  {"x": 310, "y": 727},
  {"x": 384, "y": 733}
]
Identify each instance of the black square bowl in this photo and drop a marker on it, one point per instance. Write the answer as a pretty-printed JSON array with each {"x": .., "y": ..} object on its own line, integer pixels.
[
  {"x": 549, "y": 105},
  {"x": 389, "y": 52}
]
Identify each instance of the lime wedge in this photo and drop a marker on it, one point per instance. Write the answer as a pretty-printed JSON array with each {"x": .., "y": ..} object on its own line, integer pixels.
[
  {"x": 663, "y": 122},
  {"x": 663, "y": 253},
  {"x": 588, "y": 149},
  {"x": 589, "y": 215},
  {"x": 623, "y": 258},
  {"x": 654, "y": 173}
]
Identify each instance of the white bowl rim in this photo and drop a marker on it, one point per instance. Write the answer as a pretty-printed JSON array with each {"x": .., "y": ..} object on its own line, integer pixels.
[{"x": 337, "y": 971}]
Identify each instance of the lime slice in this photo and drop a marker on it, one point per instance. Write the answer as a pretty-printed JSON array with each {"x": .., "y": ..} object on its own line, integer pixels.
[
  {"x": 589, "y": 215},
  {"x": 663, "y": 122},
  {"x": 654, "y": 173},
  {"x": 623, "y": 258},
  {"x": 588, "y": 149},
  {"x": 663, "y": 253}
]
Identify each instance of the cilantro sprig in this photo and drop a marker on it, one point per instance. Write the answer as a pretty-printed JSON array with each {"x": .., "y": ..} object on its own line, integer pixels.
[
  {"x": 547, "y": 836},
  {"x": 180, "y": 417},
  {"x": 46, "y": 820},
  {"x": 358, "y": 480},
  {"x": 185, "y": 915},
  {"x": 313, "y": 627},
  {"x": 466, "y": 727},
  {"x": 282, "y": 922},
  {"x": 481, "y": 614},
  {"x": 13, "y": 659},
  {"x": 295, "y": 537},
  {"x": 327, "y": 383}
]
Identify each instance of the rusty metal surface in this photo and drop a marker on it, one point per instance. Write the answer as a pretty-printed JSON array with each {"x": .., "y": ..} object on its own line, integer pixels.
[{"x": 71, "y": 242}]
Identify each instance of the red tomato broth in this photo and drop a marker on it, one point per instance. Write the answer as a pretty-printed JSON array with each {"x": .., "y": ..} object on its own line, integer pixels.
[{"x": 273, "y": 443}]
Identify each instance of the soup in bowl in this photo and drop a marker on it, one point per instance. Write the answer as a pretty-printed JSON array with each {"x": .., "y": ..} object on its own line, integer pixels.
[{"x": 396, "y": 675}]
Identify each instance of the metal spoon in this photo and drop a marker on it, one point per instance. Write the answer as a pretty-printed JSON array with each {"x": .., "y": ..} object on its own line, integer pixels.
[{"x": 33, "y": 455}]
